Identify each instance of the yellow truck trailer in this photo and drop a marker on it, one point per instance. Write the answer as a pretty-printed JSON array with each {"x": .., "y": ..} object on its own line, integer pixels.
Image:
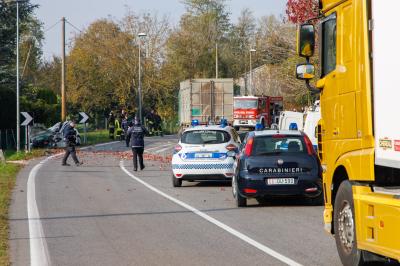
[{"x": 359, "y": 132}]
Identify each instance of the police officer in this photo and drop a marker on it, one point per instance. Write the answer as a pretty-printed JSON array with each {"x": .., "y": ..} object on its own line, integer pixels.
[
  {"x": 136, "y": 134},
  {"x": 70, "y": 143},
  {"x": 111, "y": 125},
  {"x": 157, "y": 123}
]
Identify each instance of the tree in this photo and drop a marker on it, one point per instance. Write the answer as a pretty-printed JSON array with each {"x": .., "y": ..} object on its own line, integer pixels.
[
  {"x": 235, "y": 55},
  {"x": 100, "y": 68},
  {"x": 299, "y": 11},
  {"x": 29, "y": 26},
  {"x": 192, "y": 46}
]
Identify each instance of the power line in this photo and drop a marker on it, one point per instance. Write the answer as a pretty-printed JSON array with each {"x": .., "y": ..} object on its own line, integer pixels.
[
  {"x": 73, "y": 26},
  {"x": 51, "y": 27}
]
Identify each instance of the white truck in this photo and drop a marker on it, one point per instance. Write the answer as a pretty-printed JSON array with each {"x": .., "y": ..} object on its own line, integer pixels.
[
  {"x": 313, "y": 115},
  {"x": 206, "y": 100},
  {"x": 287, "y": 118}
]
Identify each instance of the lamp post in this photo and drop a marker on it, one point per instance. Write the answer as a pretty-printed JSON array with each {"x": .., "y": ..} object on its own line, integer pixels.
[
  {"x": 141, "y": 35},
  {"x": 17, "y": 92},
  {"x": 251, "y": 72}
]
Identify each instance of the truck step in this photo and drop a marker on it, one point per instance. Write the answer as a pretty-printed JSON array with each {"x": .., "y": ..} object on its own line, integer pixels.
[{"x": 395, "y": 191}]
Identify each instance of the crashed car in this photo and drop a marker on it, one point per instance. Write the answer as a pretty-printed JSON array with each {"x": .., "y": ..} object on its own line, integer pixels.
[{"x": 51, "y": 137}]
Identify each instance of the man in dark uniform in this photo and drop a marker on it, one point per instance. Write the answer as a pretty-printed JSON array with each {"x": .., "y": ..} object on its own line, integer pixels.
[
  {"x": 70, "y": 143},
  {"x": 111, "y": 125},
  {"x": 157, "y": 123},
  {"x": 136, "y": 134}
]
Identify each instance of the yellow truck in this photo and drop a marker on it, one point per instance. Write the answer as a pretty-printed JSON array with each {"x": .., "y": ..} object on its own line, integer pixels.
[{"x": 359, "y": 132}]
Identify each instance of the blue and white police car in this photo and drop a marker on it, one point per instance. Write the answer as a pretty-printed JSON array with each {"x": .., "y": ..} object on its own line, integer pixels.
[{"x": 205, "y": 153}]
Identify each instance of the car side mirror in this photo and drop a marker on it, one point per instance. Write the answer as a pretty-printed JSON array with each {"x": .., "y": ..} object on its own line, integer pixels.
[
  {"x": 305, "y": 71},
  {"x": 306, "y": 40}
]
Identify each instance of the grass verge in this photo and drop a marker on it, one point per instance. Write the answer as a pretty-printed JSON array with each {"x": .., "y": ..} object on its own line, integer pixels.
[
  {"x": 95, "y": 137},
  {"x": 12, "y": 155},
  {"x": 8, "y": 173}
]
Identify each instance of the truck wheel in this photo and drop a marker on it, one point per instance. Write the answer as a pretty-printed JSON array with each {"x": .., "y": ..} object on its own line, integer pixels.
[
  {"x": 240, "y": 201},
  {"x": 345, "y": 227},
  {"x": 176, "y": 182}
]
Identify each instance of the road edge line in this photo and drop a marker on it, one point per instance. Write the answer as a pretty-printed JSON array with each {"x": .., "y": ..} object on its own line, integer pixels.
[
  {"x": 214, "y": 221},
  {"x": 39, "y": 253}
]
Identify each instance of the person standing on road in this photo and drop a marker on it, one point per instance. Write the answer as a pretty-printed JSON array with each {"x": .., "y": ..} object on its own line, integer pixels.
[
  {"x": 136, "y": 134},
  {"x": 124, "y": 125},
  {"x": 70, "y": 143},
  {"x": 111, "y": 125}
]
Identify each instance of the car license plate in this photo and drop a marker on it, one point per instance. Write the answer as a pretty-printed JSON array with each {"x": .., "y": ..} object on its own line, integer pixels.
[
  {"x": 280, "y": 181},
  {"x": 203, "y": 155},
  {"x": 243, "y": 122}
]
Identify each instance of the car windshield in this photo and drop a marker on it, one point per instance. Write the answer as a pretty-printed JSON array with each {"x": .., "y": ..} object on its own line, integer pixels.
[
  {"x": 270, "y": 145},
  {"x": 245, "y": 104},
  {"x": 205, "y": 137}
]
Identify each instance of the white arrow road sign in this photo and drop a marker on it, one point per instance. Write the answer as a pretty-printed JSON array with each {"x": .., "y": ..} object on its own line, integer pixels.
[
  {"x": 28, "y": 119},
  {"x": 85, "y": 117}
]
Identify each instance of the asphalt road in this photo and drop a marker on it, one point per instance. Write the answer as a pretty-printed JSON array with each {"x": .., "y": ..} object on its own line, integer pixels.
[{"x": 103, "y": 213}]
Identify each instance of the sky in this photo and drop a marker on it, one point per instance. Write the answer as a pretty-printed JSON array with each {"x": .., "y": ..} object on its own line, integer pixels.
[{"x": 81, "y": 13}]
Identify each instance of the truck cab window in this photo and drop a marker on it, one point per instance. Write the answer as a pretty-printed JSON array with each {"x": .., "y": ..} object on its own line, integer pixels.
[{"x": 328, "y": 56}]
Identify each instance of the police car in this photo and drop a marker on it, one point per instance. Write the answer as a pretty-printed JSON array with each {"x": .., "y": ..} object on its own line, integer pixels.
[{"x": 205, "y": 153}]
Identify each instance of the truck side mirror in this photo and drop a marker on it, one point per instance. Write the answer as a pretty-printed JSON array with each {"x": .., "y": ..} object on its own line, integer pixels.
[
  {"x": 305, "y": 71},
  {"x": 305, "y": 40}
]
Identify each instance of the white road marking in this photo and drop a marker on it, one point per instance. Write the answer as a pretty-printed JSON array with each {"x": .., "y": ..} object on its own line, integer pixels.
[
  {"x": 102, "y": 144},
  {"x": 157, "y": 147},
  {"x": 214, "y": 221},
  {"x": 37, "y": 241},
  {"x": 167, "y": 148}
]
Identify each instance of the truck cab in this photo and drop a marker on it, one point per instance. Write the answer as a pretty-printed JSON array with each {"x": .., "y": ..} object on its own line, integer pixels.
[
  {"x": 357, "y": 134},
  {"x": 251, "y": 110}
]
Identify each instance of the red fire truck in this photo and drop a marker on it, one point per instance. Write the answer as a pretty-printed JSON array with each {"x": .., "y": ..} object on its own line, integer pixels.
[{"x": 250, "y": 110}]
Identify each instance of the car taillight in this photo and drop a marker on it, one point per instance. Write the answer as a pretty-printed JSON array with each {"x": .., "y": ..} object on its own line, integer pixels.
[
  {"x": 249, "y": 147},
  {"x": 178, "y": 148},
  {"x": 310, "y": 148},
  {"x": 278, "y": 136},
  {"x": 231, "y": 147}
]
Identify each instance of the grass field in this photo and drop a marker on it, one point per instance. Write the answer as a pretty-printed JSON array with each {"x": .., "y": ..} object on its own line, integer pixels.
[
  {"x": 8, "y": 173},
  {"x": 95, "y": 137}
]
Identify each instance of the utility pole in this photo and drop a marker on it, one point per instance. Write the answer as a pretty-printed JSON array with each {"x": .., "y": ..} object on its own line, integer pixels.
[
  {"x": 251, "y": 73},
  {"x": 63, "y": 100},
  {"x": 216, "y": 60},
  {"x": 141, "y": 36}
]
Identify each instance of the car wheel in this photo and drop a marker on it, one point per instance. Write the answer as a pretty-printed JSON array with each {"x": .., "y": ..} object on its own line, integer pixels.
[
  {"x": 345, "y": 227},
  {"x": 176, "y": 182},
  {"x": 240, "y": 201},
  {"x": 236, "y": 128},
  {"x": 319, "y": 200}
]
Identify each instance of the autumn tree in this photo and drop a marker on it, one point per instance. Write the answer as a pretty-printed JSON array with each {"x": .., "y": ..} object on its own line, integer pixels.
[
  {"x": 241, "y": 38},
  {"x": 299, "y": 11}
]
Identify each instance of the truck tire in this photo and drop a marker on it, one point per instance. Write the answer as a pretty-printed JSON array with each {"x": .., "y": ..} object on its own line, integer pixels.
[
  {"x": 345, "y": 228},
  {"x": 176, "y": 182}
]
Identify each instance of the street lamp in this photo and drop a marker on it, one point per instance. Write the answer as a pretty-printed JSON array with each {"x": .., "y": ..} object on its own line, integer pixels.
[
  {"x": 17, "y": 92},
  {"x": 141, "y": 35},
  {"x": 251, "y": 71}
]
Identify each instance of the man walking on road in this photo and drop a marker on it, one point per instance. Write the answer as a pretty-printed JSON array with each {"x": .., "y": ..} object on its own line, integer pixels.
[
  {"x": 70, "y": 143},
  {"x": 136, "y": 134}
]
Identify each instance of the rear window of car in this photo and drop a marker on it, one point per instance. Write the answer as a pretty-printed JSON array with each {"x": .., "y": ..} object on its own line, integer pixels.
[
  {"x": 205, "y": 137},
  {"x": 269, "y": 145}
]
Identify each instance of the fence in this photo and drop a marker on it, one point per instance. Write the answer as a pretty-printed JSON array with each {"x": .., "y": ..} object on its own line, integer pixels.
[{"x": 8, "y": 139}]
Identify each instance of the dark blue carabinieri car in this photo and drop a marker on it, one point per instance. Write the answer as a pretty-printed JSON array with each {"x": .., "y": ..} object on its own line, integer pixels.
[{"x": 277, "y": 163}]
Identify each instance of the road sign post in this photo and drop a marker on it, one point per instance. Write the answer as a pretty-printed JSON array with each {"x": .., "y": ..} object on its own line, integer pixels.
[
  {"x": 27, "y": 121},
  {"x": 85, "y": 118}
]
